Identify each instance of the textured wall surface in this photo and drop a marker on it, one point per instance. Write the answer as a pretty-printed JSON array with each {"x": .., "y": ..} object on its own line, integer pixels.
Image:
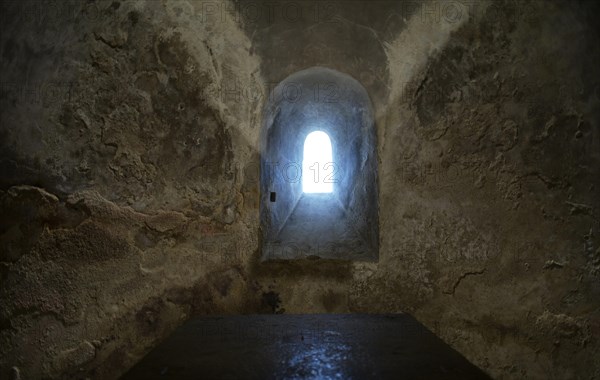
[{"x": 129, "y": 175}]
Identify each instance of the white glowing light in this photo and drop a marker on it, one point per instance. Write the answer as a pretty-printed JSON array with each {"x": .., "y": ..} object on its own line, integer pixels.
[{"x": 317, "y": 164}]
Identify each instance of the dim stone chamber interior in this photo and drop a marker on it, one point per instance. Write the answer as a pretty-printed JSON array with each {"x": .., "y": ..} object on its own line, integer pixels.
[
  {"x": 130, "y": 195},
  {"x": 319, "y": 193}
]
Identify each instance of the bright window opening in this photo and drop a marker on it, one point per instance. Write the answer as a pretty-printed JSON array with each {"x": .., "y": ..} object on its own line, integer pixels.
[{"x": 317, "y": 164}]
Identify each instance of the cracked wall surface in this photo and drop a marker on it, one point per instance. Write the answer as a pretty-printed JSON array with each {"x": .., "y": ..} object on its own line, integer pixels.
[{"x": 129, "y": 182}]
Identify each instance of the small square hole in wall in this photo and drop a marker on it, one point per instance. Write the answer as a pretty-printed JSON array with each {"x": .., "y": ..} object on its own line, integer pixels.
[{"x": 273, "y": 196}]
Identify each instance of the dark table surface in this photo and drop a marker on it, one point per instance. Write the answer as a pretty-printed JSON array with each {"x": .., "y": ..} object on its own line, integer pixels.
[{"x": 314, "y": 346}]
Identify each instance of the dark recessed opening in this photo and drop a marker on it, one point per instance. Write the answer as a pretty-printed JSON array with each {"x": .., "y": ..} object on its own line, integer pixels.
[{"x": 273, "y": 196}]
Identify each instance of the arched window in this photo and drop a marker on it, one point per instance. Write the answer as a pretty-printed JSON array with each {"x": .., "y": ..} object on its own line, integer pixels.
[
  {"x": 317, "y": 164},
  {"x": 318, "y": 171}
]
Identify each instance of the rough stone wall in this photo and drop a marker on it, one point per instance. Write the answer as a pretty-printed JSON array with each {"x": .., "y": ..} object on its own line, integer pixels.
[
  {"x": 129, "y": 186},
  {"x": 490, "y": 207},
  {"x": 120, "y": 185}
]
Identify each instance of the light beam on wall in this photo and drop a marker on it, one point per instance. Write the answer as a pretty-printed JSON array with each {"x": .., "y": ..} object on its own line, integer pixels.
[{"x": 317, "y": 164}]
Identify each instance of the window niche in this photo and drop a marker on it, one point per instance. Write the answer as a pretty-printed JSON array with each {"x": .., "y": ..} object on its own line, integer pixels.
[{"x": 309, "y": 207}]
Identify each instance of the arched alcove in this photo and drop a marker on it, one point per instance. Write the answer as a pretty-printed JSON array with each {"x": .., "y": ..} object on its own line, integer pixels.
[{"x": 342, "y": 223}]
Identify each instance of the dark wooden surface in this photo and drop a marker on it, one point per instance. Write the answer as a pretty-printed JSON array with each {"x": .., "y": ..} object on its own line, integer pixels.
[{"x": 316, "y": 346}]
